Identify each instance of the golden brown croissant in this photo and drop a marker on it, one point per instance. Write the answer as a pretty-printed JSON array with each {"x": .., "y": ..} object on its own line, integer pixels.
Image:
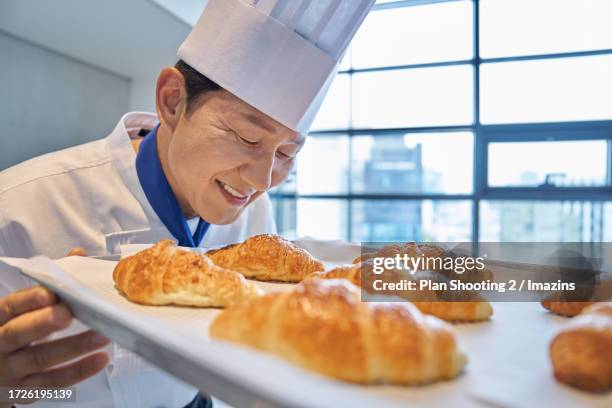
[
  {"x": 165, "y": 274},
  {"x": 433, "y": 258},
  {"x": 267, "y": 257},
  {"x": 459, "y": 311},
  {"x": 351, "y": 273},
  {"x": 473, "y": 309},
  {"x": 557, "y": 302},
  {"x": 599, "y": 308},
  {"x": 564, "y": 308},
  {"x": 323, "y": 326},
  {"x": 581, "y": 353}
]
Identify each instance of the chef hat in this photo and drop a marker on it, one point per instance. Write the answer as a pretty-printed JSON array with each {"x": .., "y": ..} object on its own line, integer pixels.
[{"x": 279, "y": 56}]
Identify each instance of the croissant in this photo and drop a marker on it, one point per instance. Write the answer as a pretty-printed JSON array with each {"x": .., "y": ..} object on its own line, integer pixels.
[
  {"x": 322, "y": 326},
  {"x": 472, "y": 309},
  {"x": 459, "y": 311},
  {"x": 351, "y": 273},
  {"x": 581, "y": 353},
  {"x": 558, "y": 303},
  {"x": 165, "y": 274},
  {"x": 564, "y": 308},
  {"x": 267, "y": 257},
  {"x": 432, "y": 258},
  {"x": 599, "y": 308}
]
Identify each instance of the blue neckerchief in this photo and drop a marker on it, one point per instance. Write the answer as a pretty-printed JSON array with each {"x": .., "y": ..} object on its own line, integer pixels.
[{"x": 160, "y": 195}]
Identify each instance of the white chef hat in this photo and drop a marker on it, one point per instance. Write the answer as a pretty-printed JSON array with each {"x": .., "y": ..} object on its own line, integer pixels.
[{"x": 279, "y": 56}]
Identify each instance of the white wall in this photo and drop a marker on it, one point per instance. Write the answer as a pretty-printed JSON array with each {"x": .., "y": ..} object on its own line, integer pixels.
[
  {"x": 142, "y": 94},
  {"x": 70, "y": 68},
  {"x": 49, "y": 101}
]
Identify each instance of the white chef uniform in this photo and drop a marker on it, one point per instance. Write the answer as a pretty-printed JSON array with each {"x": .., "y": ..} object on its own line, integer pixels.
[{"x": 90, "y": 196}]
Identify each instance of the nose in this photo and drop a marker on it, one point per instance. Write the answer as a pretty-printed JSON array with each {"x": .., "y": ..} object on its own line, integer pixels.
[{"x": 258, "y": 171}]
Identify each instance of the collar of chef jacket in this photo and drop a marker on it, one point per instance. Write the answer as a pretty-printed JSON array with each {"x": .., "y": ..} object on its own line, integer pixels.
[
  {"x": 160, "y": 195},
  {"x": 122, "y": 153}
]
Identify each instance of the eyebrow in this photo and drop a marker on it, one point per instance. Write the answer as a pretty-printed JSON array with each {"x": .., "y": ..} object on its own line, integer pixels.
[{"x": 257, "y": 121}]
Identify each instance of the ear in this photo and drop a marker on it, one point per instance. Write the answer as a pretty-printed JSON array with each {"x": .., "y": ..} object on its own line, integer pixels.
[{"x": 170, "y": 97}]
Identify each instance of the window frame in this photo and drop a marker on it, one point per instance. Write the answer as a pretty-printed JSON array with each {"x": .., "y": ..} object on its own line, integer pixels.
[{"x": 483, "y": 136}]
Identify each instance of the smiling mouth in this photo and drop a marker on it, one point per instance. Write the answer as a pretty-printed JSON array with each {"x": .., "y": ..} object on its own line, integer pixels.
[{"x": 233, "y": 195}]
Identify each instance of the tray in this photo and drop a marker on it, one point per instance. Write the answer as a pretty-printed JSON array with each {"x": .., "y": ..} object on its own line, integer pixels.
[{"x": 508, "y": 356}]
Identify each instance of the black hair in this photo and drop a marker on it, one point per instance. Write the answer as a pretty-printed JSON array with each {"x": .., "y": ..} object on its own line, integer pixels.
[{"x": 196, "y": 84}]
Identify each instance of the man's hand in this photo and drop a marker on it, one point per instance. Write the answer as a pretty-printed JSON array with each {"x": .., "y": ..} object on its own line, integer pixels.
[{"x": 32, "y": 314}]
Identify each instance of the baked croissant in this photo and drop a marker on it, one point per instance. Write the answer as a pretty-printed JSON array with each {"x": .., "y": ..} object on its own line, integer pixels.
[
  {"x": 351, "y": 273},
  {"x": 267, "y": 257},
  {"x": 323, "y": 326},
  {"x": 581, "y": 353},
  {"x": 432, "y": 258},
  {"x": 165, "y": 274},
  {"x": 564, "y": 308},
  {"x": 557, "y": 302},
  {"x": 473, "y": 309},
  {"x": 459, "y": 311}
]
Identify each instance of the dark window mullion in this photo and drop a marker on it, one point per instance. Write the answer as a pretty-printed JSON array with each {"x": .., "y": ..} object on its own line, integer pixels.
[
  {"x": 479, "y": 167},
  {"x": 407, "y": 3},
  {"x": 548, "y": 194},
  {"x": 609, "y": 163},
  {"x": 537, "y": 133},
  {"x": 374, "y": 196},
  {"x": 436, "y": 64},
  {"x": 392, "y": 131},
  {"x": 558, "y": 56},
  {"x": 349, "y": 224}
]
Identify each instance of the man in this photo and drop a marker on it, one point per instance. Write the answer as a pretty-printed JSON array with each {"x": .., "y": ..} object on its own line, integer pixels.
[{"x": 231, "y": 117}]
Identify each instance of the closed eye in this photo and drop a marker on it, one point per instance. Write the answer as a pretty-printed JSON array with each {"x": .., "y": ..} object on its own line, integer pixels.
[
  {"x": 283, "y": 156},
  {"x": 246, "y": 141},
  {"x": 289, "y": 154}
]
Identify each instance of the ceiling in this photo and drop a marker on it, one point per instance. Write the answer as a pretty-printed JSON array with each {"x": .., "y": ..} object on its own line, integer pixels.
[
  {"x": 186, "y": 10},
  {"x": 133, "y": 38}
]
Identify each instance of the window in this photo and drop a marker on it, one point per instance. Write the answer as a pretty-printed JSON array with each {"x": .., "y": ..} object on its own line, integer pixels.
[
  {"x": 544, "y": 221},
  {"x": 550, "y": 90},
  {"x": 322, "y": 165},
  {"x": 412, "y": 163},
  {"x": 335, "y": 110},
  {"x": 530, "y": 27},
  {"x": 402, "y": 36},
  {"x": 411, "y": 220},
  {"x": 420, "y": 97},
  {"x": 548, "y": 164},
  {"x": 463, "y": 120}
]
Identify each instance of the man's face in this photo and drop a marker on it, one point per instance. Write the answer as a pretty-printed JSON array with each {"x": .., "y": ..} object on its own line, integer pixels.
[{"x": 224, "y": 154}]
